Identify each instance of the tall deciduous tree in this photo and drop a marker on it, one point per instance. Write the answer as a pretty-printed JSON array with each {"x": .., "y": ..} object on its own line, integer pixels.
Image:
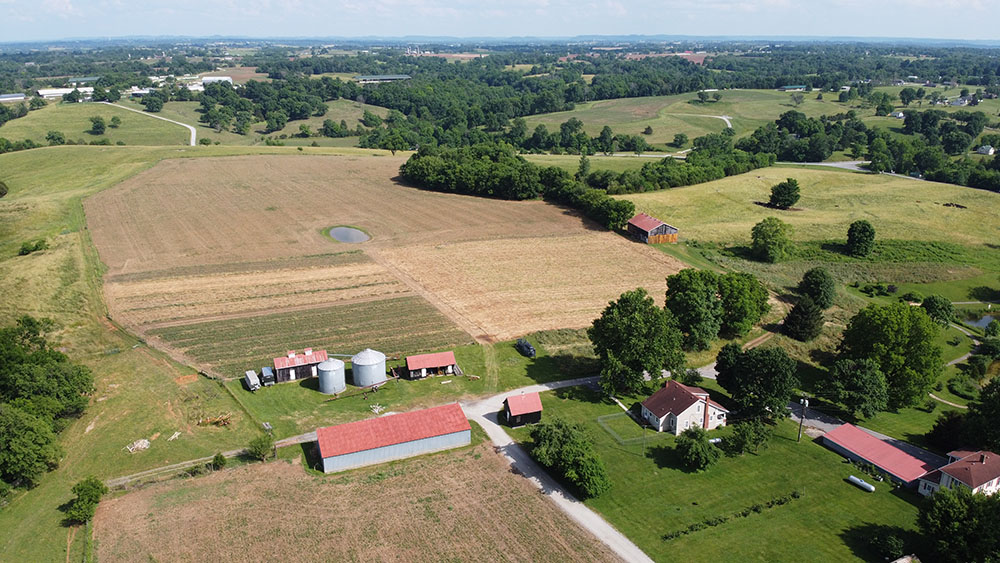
[
  {"x": 88, "y": 494},
  {"x": 819, "y": 285},
  {"x": 566, "y": 449},
  {"x": 984, "y": 413},
  {"x": 771, "y": 240},
  {"x": 785, "y": 194},
  {"x": 859, "y": 385},
  {"x": 961, "y": 526},
  {"x": 631, "y": 336},
  {"x": 27, "y": 446},
  {"x": 805, "y": 321},
  {"x": 900, "y": 340},
  {"x": 939, "y": 309},
  {"x": 680, "y": 139},
  {"x": 695, "y": 450},
  {"x": 97, "y": 125},
  {"x": 692, "y": 298},
  {"x": 750, "y": 435},
  {"x": 744, "y": 302},
  {"x": 760, "y": 380},
  {"x": 860, "y": 238}
]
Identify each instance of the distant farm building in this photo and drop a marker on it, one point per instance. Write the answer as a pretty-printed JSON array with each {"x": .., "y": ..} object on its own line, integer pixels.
[
  {"x": 897, "y": 115},
  {"x": 395, "y": 436},
  {"x": 82, "y": 80},
  {"x": 56, "y": 93},
  {"x": 857, "y": 445},
  {"x": 651, "y": 230},
  {"x": 298, "y": 366},
  {"x": 11, "y": 97},
  {"x": 677, "y": 407},
  {"x": 793, "y": 88},
  {"x": 206, "y": 80},
  {"x": 380, "y": 78},
  {"x": 978, "y": 471},
  {"x": 441, "y": 363},
  {"x": 522, "y": 409},
  {"x": 986, "y": 149}
]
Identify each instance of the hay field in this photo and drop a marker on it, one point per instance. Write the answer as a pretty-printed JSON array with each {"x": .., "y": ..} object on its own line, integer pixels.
[
  {"x": 900, "y": 208},
  {"x": 511, "y": 287},
  {"x": 427, "y": 509},
  {"x": 73, "y": 121}
]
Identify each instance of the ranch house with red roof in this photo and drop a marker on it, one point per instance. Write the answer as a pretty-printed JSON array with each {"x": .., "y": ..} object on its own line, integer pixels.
[
  {"x": 522, "y": 409},
  {"x": 294, "y": 366},
  {"x": 422, "y": 365},
  {"x": 978, "y": 471},
  {"x": 650, "y": 230},
  {"x": 394, "y": 436},
  {"x": 856, "y": 444},
  {"x": 677, "y": 407}
]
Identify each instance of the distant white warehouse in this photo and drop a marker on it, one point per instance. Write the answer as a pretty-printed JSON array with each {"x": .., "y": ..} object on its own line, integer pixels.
[{"x": 206, "y": 80}]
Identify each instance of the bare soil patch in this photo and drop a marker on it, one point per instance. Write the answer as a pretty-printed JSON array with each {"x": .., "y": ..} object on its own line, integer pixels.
[
  {"x": 461, "y": 505},
  {"x": 185, "y": 379}
]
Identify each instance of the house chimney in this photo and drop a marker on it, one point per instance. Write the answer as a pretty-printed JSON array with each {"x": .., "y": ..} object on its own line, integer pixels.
[
  {"x": 706, "y": 411},
  {"x": 982, "y": 458}
]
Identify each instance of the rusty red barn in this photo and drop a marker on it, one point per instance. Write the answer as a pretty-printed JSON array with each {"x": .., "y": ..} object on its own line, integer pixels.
[{"x": 651, "y": 230}]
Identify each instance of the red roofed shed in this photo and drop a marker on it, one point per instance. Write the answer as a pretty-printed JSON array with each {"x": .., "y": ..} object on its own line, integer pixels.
[
  {"x": 430, "y": 364},
  {"x": 854, "y": 443},
  {"x": 651, "y": 230},
  {"x": 294, "y": 366},
  {"x": 522, "y": 409},
  {"x": 394, "y": 436}
]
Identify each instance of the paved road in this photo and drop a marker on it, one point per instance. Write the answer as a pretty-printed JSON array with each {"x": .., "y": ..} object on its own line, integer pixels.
[
  {"x": 194, "y": 134},
  {"x": 484, "y": 412}
]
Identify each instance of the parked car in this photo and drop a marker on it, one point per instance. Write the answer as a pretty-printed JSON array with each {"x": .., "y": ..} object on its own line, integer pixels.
[{"x": 525, "y": 348}]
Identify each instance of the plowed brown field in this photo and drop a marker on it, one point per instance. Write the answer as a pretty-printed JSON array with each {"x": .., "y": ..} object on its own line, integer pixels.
[{"x": 463, "y": 505}]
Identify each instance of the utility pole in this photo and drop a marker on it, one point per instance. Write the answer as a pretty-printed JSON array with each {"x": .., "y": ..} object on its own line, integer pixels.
[{"x": 802, "y": 416}]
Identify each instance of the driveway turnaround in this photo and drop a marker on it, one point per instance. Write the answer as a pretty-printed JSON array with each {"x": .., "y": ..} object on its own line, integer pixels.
[{"x": 485, "y": 411}]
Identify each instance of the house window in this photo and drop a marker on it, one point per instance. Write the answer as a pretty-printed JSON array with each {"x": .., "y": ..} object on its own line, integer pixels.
[{"x": 722, "y": 416}]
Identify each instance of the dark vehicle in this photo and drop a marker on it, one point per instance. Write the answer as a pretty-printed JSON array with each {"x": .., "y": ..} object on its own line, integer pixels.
[
  {"x": 525, "y": 348},
  {"x": 267, "y": 376}
]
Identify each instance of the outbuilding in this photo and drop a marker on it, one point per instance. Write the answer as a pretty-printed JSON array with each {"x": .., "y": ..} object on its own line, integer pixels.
[
  {"x": 294, "y": 366},
  {"x": 522, "y": 409},
  {"x": 987, "y": 150},
  {"x": 252, "y": 381},
  {"x": 206, "y": 80},
  {"x": 857, "y": 445},
  {"x": 422, "y": 365},
  {"x": 12, "y": 97},
  {"x": 394, "y": 436},
  {"x": 650, "y": 230}
]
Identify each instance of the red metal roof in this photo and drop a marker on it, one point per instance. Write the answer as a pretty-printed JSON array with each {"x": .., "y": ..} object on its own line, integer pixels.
[
  {"x": 300, "y": 360},
  {"x": 675, "y": 398},
  {"x": 645, "y": 222},
  {"x": 881, "y": 454},
  {"x": 524, "y": 403},
  {"x": 391, "y": 429},
  {"x": 975, "y": 469},
  {"x": 438, "y": 360}
]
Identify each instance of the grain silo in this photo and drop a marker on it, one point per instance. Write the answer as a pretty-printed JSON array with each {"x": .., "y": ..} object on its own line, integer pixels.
[
  {"x": 368, "y": 368},
  {"x": 331, "y": 377}
]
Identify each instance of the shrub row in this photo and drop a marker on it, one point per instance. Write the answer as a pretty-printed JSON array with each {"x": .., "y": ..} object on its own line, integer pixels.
[{"x": 719, "y": 520}]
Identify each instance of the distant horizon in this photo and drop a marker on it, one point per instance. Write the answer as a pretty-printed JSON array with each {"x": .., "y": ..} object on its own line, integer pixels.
[{"x": 49, "y": 21}]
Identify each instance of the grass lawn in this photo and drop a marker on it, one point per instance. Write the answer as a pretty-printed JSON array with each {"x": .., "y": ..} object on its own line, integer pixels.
[
  {"x": 73, "y": 120},
  {"x": 653, "y": 495}
]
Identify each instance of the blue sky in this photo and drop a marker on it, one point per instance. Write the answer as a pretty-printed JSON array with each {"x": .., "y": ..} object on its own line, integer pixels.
[{"x": 27, "y": 20}]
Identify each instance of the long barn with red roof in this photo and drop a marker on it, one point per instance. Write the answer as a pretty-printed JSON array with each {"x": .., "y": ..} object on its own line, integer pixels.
[{"x": 394, "y": 436}]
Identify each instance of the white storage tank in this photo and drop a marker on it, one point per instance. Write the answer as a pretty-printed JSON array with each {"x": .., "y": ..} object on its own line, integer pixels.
[
  {"x": 368, "y": 368},
  {"x": 331, "y": 376}
]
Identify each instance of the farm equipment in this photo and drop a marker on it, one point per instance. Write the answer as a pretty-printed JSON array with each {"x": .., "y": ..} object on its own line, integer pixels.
[{"x": 525, "y": 348}]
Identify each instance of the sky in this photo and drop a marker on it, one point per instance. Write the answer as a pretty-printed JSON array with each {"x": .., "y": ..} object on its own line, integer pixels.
[{"x": 39, "y": 20}]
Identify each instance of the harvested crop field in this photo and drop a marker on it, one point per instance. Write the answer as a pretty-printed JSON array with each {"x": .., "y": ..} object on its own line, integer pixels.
[
  {"x": 508, "y": 287},
  {"x": 463, "y": 505}
]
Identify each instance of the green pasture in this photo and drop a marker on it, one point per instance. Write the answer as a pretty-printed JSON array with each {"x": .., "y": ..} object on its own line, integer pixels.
[
  {"x": 73, "y": 120},
  {"x": 652, "y": 494}
]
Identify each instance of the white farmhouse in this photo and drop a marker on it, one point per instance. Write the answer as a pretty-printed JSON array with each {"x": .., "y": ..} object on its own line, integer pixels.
[{"x": 677, "y": 407}]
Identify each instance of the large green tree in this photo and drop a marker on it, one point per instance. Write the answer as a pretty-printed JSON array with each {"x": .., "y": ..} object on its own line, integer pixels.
[
  {"x": 785, "y": 194},
  {"x": 859, "y": 385},
  {"x": 939, "y": 309},
  {"x": 694, "y": 449},
  {"x": 88, "y": 494},
  {"x": 27, "y": 446},
  {"x": 900, "y": 340},
  {"x": 983, "y": 419},
  {"x": 961, "y": 526},
  {"x": 692, "y": 296},
  {"x": 818, "y": 284},
  {"x": 760, "y": 380},
  {"x": 771, "y": 240},
  {"x": 565, "y": 448},
  {"x": 860, "y": 238},
  {"x": 744, "y": 302},
  {"x": 805, "y": 321},
  {"x": 633, "y": 336}
]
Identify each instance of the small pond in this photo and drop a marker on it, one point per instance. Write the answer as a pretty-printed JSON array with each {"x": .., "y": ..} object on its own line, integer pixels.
[
  {"x": 983, "y": 321},
  {"x": 349, "y": 234}
]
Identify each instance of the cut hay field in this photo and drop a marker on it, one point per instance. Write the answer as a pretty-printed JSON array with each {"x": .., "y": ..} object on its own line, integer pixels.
[
  {"x": 197, "y": 264},
  {"x": 432, "y": 508},
  {"x": 73, "y": 120},
  {"x": 724, "y": 211}
]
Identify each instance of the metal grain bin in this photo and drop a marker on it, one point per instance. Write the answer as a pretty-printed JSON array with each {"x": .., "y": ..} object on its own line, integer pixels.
[
  {"x": 331, "y": 377},
  {"x": 368, "y": 368}
]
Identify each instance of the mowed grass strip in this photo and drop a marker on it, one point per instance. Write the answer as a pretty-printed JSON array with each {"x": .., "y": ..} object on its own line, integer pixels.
[
  {"x": 460, "y": 505},
  {"x": 653, "y": 495},
  {"x": 73, "y": 121},
  {"x": 392, "y": 326},
  {"x": 725, "y": 211}
]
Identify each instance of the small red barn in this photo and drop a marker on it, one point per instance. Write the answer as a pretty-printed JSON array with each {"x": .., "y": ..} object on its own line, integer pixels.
[
  {"x": 651, "y": 230},
  {"x": 522, "y": 409},
  {"x": 423, "y": 365},
  {"x": 294, "y": 366}
]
